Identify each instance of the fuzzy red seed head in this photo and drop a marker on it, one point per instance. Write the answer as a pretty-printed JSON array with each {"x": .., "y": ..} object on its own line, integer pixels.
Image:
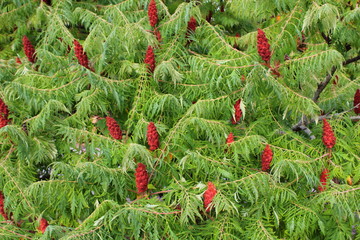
[
  {"x": 357, "y": 102},
  {"x": 230, "y": 138},
  {"x": 4, "y": 113},
  {"x": 29, "y": 49},
  {"x": 43, "y": 225},
  {"x": 152, "y": 13},
  {"x": 141, "y": 178},
  {"x": 152, "y": 136},
  {"x": 191, "y": 27},
  {"x": 328, "y": 137},
  {"x": 323, "y": 180},
  {"x": 238, "y": 113},
  {"x": 114, "y": 128},
  {"x": 150, "y": 59},
  {"x": 2, "y": 209},
  {"x": 266, "y": 158},
  {"x": 263, "y": 46},
  {"x": 209, "y": 195},
  {"x": 80, "y": 54}
]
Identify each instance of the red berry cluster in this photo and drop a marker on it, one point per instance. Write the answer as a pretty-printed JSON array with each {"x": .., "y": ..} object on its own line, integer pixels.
[
  {"x": 142, "y": 178},
  {"x": 266, "y": 158},
  {"x": 152, "y": 13},
  {"x": 18, "y": 60},
  {"x": 230, "y": 138},
  {"x": 323, "y": 179},
  {"x": 357, "y": 102},
  {"x": 152, "y": 136},
  {"x": 4, "y": 113},
  {"x": 2, "y": 209},
  {"x": 48, "y": 2},
  {"x": 29, "y": 49},
  {"x": 191, "y": 27},
  {"x": 43, "y": 225},
  {"x": 150, "y": 59},
  {"x": 209, "y": 195},
  {"x": 328, "y": 137},
  {"x": 81, "y": 55},
  {"x": 263, "y": 46},
  {"x": 238, "y": 113},
  {"x": 114, "y": 128}
]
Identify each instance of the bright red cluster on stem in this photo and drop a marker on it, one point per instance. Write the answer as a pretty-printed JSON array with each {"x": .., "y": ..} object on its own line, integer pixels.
[
  {"x": 230, "y": 138},
  {"x": 150, "y": 59},
  {"x": 152, "y": 136},
  {"x": 29, "y": 49},
  {"x": 323, "y": 179},
  {"x": 141, "y": 178},
  {"x": 152, "y": 13},
  {"x": 81, "y": 55},
  {"x": 357, "y": 102},
  {"x": 263, "y": 46},
  {"x": 2, "y": 209},
  {"x": 209, "y": 195},
  {"x": 4, "y": 113},
  {"x": 238, "y": 113},
  {"x": 191, "y": 27},
  {"x": 43, "y": 225},
  {"x": 266, "y": 158},
  {"x": 114, "y": 128},
  {"x": 328, "y": 137}
]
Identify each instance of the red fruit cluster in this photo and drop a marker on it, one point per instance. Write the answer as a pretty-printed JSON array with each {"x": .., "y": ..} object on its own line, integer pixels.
[
  {"x": 323, "y": 179},
  {"x": 357, "y": 102},
  {"x": 191, "y": 27},
  {"x": 43, "y": 225},
  {"x": 142, "y": 178},
  {"x": 114, "y": 128},
  {"x": 238, "y": 113},
  {"x": 209, "y": 195},
  {"x": 4, "y": 113},
  {"x": 152, "y": 137},
  {"x": 263, "y": 46},
  {"x": 81, "y": 55},
  {"x": 152, "y": 13},
  {"x": 2, "y": 209},
  {"x": 230, "y": 138},
  {"x": 29, "y": 49},
  {"x": 328, "y": 137},
  {"x": 48, "y": 2},
  {"x": 266, "y": 158},
  {"x": 150, "y": 59},
  {"x": 18, "y": 60}
]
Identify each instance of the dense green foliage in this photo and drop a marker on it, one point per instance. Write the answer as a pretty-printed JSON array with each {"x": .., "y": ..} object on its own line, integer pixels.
[{"x": 59, "y": 162}]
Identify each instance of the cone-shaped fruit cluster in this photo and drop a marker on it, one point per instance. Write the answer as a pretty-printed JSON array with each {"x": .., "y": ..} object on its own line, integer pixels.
[
  {"x": 357, "y": 102},
  {"x": 152, "y": 137},
  {"x": 263, "y": 46},
  {"x": 80, "y": 54},
  {"x": 230, "y": 138},
  {"x": 209, "y": 195},
  {"x": 238, "y": 113},
  {"x": 142, "y": 178},
  {"x": 4, "y": 113},
  {"x": 43, "y": 225},
  {"x": 328, "y": 137},
  {"x": 266, "y": 158},
  {"x": 2, "y": 209},
  {"x": 152, "y": 13},
  {"x": 323, "y": 179},
  {"x": 191, "y": 27},
  {"x": 29, "y": 49},
  {"x": 114, "y": 128},
  {"x": 150, "y": 59}
]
